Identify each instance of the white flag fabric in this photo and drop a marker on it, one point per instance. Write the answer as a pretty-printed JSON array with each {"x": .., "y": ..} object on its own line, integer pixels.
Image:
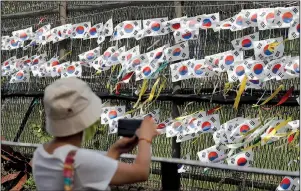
[
  {"x": 250, "y": 17},
  {"x": 42, "y": 34},
  {"x": 126, "y": 29},
  {"x": 62, "y": 32},
  {"x": 237, "y": 72},
  {"x": 181, "y": 70},
  {"x": 114, "y": 58},
  {"x": 23, "y": 34},
  {"x": 113, "y": 124},
  {"x": 289, "y": 184},
  {"x": 255, "y": 69},
  {"x": 245, "y": 42},
  {"x": 108, "y": 28},
  {"x": 79, "y": 30},
  {"x": 161, "y": 127},
  {"x": 284, "y": 17},
  {"x": 239, "y": 22},
  {"x": 100, "y": 65},
  {"x": 192, "y": 23},
  {"x": 74, "y": 69},
  {"x": 37, "y": 61},
  {"x": 185, "y": 34},
  {"x": 4, "y": 42},
  {"x": 210, "y": 20},
  {"x": 109, "y": 113},
  {"x": 95, "y": 31},
  {"x": 266, "y": 18},
  {"x": 14, "y": 43},
  {"x": 294, "y": 30},
  {"x": 136, "y": 61},
  {"x": 127, "y": 55},
  {"x": 155, "y": 27},
  {"x": 184, "y": 168},
  {"x": 293, "y": 67},
  {"x": 262, "y": 51},
  {"x": 275, "y": 69},
  {"x": 108, "y": 53},
  {"x": 177, "y": 52},
  {"x": 224, "y": 24},
  {"x": 20, "y": 76}
]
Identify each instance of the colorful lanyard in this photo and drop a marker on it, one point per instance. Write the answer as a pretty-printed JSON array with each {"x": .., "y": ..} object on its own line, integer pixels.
[{"x": 68, "y": 171}]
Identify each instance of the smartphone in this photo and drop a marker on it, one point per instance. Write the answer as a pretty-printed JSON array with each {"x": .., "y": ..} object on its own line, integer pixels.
[{"x": 128, "y": 127}]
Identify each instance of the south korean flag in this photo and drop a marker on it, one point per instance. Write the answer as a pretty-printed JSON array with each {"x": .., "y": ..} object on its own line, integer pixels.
[
  {"x": 20, "y": 76},
  {"x": 289, "y": 184},
  {"x": 266, "y": 19},
  {"x": 113, "y": 124},
  {"x": 284, "y": 17},
  {"x": 225, "y": 24},
  {"x": 238, "y": 132},
  {"x": 146, "y": 71},
  {"x": 184, "y": 168},
  {"x": 136, "y": 61},
  {"x": 192, "y": 23},
  {"x": 263, "y": 51},
  {"x": 246, "y": 42},
  {"x": 108, "y": 28},
  {"x": 181, "y": 70},
  {"x": 154, "y": 115},
  {"x": 209, "y": 20},
  {"x": 239, "y": 22},
  {"x": 79, "y": 30},
  {"x": 114, "y": 58},
  {"x": 73, "y": 70},
  {"x": 294, "y": 30},
  {"x": 250, "y": 17},
  {"x": 237, "y": 72},
  {"x": 161, "y": 127},
  {"x": 220, "y": 136},
  {"x": 7, "y": 66},
  {"x": 4, "y": 43},
  {"x": 175, "y": 24},
  {"x": 21, "y": 63},
  {"x": 50, "y": 64},
  {"x": 175, "y": 128},
  {"x": 127, "y": 55},
  {"x": 213, "y": 60},
  {"x": 177, "y": 52},
  {"x": 109, "y": 53},
  {"x": 57, "y": 69},
  {"x": 243, "y": 159},
  {"x": 126, "y": 29},
  {"x": 228, "y": 59},
  {"x": 201, "y": 70},
  {"x": 186, "y": 34},
  {"x": 62, "y": 32},
  {"x": 275, "y": 69},
  {"x": 95, "y": 31},
  {"x": 214, "y": 154},
  {"x": 255, "y": 84},
  {"x": 89, "y": 56},
  {"x": 207, "y": 124},
  {"x": 100, "y": 65},
  {"x": 255, "y": 68},
  {"x": 191, "y": 127},
  {"x": 181, "y": 137},
  {"x": 155, "y": 27},
  {"x": 36, "y": 62},
  {"x": 157, "y": 55},
  {"x": 14, "y": 43},
  {"x": 109, "y": 113},
  {"x": 24, "y": 34},
  {"x": 293, "y": 67},
  {"x": 42, "y": 33}
]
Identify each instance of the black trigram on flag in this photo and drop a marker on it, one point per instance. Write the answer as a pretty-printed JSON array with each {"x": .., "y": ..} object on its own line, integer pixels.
[
  {"x": 213, "y": 119},
  {"x": 295, "y": 10},
  {"x": 259, "y": 46},
  {"x": 252, "y": 123},
  {"x": 213, "y": 17},
  {"x": 248, "y": 154},
  {"x": 147, "y": 23},
  {"x": 262, "y": 25}
]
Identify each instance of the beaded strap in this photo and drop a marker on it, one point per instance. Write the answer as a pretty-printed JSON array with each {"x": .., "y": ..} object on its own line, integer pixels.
[{"x": 68, "y": 171}]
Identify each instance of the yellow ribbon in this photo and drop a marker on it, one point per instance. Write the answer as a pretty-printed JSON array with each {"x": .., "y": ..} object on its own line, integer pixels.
[
  {"x": 240, "y": 91},
  {"x": 272, "y": 96},
  {"x": 65, "y": 55},
  {"x": 273, "y": 45},
  {"x": 228, "y": 86},
  {"x": 273, "y": 132},
  {"x": 141, "y": 93},
  {"x": 152, "y": 93}
]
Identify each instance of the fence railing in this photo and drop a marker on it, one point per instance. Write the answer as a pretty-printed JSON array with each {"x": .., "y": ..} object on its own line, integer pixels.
[{"x": 216, "y": 175}]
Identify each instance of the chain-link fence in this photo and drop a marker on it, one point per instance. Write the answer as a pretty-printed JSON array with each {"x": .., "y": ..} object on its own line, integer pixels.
[{"x": 22, "y": 116}]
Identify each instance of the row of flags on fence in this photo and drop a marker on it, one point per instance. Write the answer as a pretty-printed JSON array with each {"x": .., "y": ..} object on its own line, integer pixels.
[{"x": 183, "y": 28}]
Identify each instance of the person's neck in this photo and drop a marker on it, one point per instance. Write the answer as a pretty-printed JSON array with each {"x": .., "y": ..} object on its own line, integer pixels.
[{"x": 71, "y": 140}]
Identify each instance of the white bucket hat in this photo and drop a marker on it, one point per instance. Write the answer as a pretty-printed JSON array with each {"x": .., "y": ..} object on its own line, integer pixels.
[{"x": 70, "y": 107}]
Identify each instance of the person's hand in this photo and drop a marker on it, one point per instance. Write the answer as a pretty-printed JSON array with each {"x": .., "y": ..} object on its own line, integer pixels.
[
  {"x": 148, "y": 129},
  {"x": 123, "y": 145}
]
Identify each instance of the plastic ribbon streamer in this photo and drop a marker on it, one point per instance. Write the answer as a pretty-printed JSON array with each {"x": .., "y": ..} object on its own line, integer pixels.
[
  {"x": 240, "y": 91},
  {"x": 273, "y": 45},
  {"x": 141, "y": 93},
  {"x": 271, "y": 97},
  {"x": 283, "y": 99}
]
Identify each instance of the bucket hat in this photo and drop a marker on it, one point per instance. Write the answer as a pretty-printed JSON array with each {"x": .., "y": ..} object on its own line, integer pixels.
[{"x": 70, "y": 107}]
